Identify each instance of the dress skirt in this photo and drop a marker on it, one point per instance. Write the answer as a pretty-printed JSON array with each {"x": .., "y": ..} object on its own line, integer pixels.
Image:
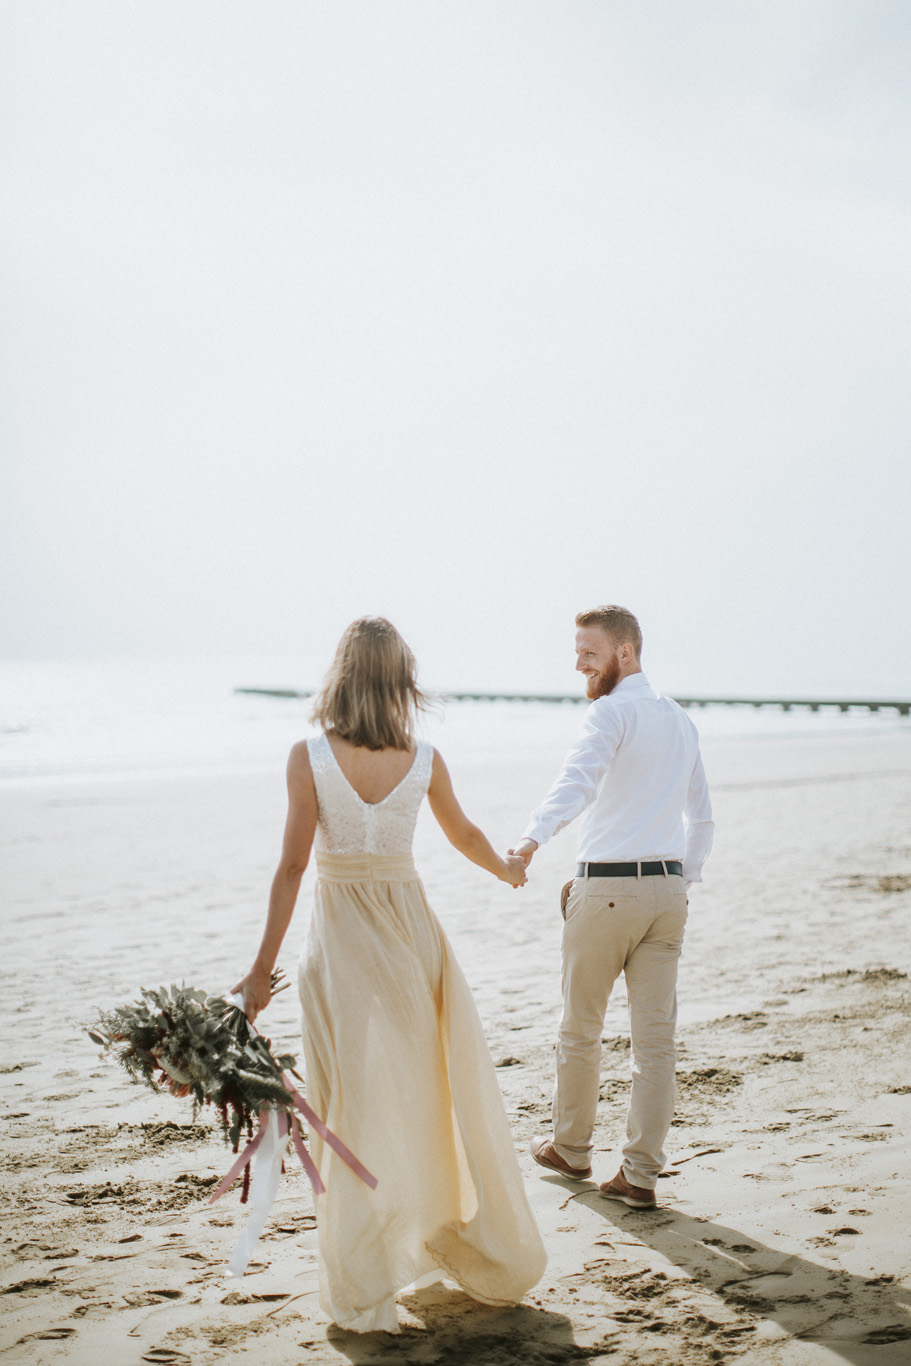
[{"x": 398, "y": 1066}]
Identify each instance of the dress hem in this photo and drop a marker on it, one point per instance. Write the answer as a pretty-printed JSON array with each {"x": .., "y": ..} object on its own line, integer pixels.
[{"x": 441, "y": 1263}]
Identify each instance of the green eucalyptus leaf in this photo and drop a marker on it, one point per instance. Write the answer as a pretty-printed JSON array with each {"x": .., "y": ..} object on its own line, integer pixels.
[{"x": 180, "y": 1036}]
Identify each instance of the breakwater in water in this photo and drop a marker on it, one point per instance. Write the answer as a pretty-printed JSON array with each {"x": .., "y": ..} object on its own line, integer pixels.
[{"x": 843, "y": 704}]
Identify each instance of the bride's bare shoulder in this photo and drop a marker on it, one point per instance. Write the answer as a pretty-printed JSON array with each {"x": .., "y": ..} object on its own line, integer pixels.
[
  {"x": 439, "y": 773},
  {"x": 299, "y": 767}
]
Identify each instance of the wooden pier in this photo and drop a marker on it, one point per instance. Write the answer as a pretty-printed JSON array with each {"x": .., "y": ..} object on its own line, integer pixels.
[
  {"x": 842, "y": 704},
  {"x": 803, "y": 703}
]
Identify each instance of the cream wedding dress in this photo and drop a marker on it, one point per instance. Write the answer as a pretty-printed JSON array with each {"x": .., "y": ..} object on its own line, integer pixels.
[{"x": 398, "y": 1066}]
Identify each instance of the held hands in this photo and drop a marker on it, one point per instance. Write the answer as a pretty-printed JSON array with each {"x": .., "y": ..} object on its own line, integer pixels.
[
  {"x": 524, "y": 850},
  {"x": 513, "y": 871}
]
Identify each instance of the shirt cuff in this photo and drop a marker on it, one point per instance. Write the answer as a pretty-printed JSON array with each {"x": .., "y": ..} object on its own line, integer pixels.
[{"x": 537, "y": 832}]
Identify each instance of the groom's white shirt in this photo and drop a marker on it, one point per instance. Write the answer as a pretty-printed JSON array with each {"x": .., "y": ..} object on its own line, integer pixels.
[{"x": 637, "y": 774}]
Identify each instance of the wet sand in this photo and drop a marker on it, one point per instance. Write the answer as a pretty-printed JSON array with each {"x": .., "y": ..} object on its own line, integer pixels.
[{"x": 782, "y": 1236}]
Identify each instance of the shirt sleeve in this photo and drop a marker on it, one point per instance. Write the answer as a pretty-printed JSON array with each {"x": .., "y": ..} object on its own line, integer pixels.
[
  {"x": 700, "y": 828},
  {"x": 585, "y": 765}
]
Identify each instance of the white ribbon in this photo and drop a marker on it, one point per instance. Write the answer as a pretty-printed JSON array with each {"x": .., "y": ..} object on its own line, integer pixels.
[
  {"x": 266, "y": 1165},
  {"x": 267, "y": 1170}
]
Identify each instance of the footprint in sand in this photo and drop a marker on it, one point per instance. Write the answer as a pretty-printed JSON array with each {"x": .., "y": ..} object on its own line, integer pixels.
[
  {"x": 262, "y": 1297},
  {"x": 756, "y": 1019},
  {"x": 28, "y": 1287},
  {"x": 48, "y": 1335},
  {"x": 149, "y": 1297},
  {"x": 893, "y": 1332},
  {"x": 307, "y": 1224}
]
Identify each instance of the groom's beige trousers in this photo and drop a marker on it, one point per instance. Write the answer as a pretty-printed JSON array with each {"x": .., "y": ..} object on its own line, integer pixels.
[{"x": 634, "y": 926}]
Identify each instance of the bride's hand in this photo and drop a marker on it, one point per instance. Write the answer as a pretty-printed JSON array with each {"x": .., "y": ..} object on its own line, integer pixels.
[
  {"x": 256, "y": 989},
  {"x": 514, "y": 870}
]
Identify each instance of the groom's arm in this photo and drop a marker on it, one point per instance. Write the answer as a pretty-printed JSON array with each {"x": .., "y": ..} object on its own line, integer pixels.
[
  {"x": 576, "y": 785},
  {"x": 700, "y": 828}
]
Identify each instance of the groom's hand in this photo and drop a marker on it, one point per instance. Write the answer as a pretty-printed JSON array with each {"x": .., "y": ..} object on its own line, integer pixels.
[
  {"x": 515, "y": 871},
  {"x": 525, "y": 850}
]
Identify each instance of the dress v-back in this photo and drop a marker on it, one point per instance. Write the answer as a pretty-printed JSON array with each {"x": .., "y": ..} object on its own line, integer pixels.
[
  {"x": 348, "y": 824},
  {"x": 398, "y": 1066}
]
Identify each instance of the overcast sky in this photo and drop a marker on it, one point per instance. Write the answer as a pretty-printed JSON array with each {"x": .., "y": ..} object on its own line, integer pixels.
[{"x": 473, "y": 314}]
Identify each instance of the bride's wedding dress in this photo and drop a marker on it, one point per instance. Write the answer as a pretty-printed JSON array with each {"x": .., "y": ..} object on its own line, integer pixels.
[{"x": 398, "y": 1066}]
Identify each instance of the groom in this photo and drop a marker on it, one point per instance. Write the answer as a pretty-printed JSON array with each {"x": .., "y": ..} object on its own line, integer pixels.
[{"x": 637, "y": 775}]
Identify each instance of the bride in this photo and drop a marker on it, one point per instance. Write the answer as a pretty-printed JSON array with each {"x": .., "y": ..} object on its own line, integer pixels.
[{"x": 396, "y": 1060}]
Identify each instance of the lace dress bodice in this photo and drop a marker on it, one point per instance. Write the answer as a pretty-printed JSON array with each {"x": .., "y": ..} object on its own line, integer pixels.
[{"x": 349, "y": 825}]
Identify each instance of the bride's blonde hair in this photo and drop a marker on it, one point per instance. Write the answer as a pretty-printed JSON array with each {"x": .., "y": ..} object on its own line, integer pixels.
[{"x": 370, "y": 695}]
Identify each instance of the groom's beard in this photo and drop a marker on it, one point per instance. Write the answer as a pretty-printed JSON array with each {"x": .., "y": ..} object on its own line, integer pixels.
[{"x": 604, "y": 682}]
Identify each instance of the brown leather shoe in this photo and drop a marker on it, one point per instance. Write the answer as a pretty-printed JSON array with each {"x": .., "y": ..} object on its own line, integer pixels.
[
  {"x": 637, "y": 1197},
  {"x": 546, "y": 1155}
]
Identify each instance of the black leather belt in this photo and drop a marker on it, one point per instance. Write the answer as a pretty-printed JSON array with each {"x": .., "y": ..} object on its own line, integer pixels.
[{"x": 670, "y": 868}]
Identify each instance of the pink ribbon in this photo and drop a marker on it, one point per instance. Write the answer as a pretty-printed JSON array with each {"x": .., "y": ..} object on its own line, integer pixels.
[
  {"x": 244, "y": 1160},
  {"x": 288, "y": 1122},
  {"x": 332, "y": 1139},
  {"x": 306, "y": 1160}
]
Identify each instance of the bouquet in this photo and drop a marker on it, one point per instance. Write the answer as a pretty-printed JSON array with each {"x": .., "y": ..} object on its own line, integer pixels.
[
  {"x": 191, "y": 1044},
  {"x": 183, "y": 1041}
]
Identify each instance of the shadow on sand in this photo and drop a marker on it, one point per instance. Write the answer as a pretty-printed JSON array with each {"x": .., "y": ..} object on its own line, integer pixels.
[
  {"x": 458, "y": 1331},
  {"x": 852, "y": 1316}
]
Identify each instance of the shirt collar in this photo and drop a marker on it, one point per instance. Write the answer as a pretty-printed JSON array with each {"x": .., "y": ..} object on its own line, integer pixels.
[{"x": 632, "y": 683}]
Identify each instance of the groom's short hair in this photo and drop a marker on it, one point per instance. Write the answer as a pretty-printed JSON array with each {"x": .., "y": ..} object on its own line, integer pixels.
[{"x": 616, "y": 622}]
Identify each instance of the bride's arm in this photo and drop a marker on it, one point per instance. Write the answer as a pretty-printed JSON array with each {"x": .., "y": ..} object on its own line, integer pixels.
[
  {"x": 463, "y": 834},
  {"x": 300, "y": 828}
]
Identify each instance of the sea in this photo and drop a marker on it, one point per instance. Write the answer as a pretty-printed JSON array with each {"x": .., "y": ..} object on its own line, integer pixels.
[{"x": 78, "y": 720}]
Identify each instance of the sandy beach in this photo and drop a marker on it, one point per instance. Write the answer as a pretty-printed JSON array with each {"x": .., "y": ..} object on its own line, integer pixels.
[{"x": 782, "y": 1237}]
